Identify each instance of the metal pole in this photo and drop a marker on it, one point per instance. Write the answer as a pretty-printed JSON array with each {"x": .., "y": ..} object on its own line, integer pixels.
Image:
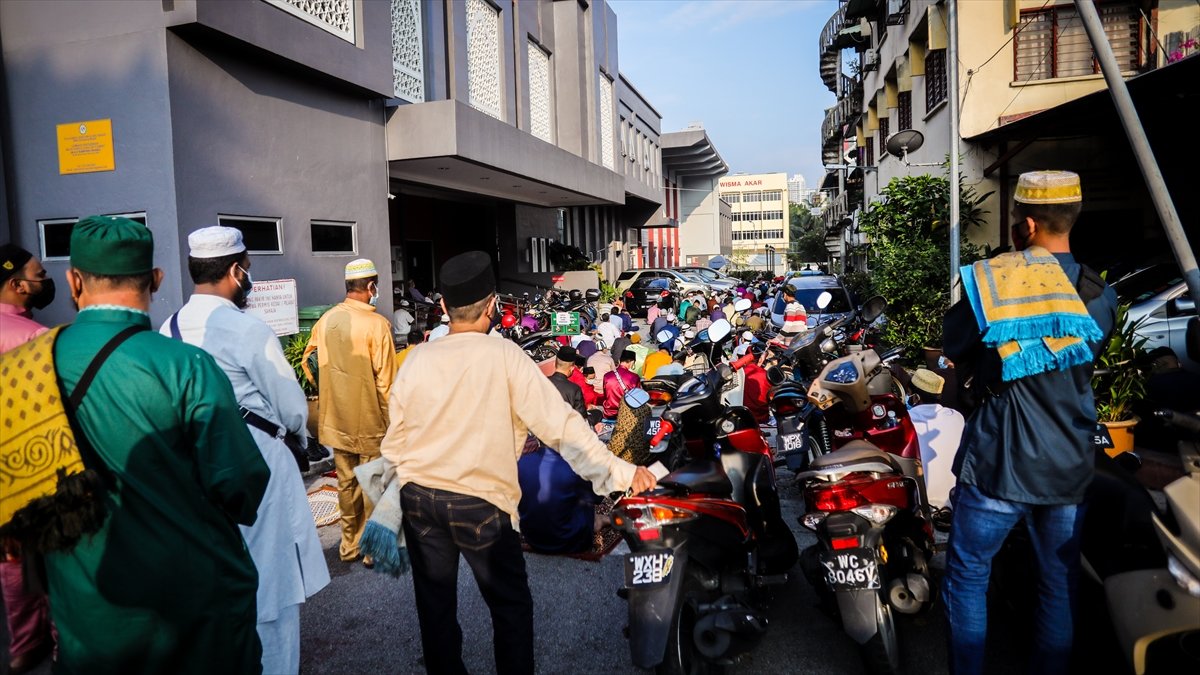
[
  {"x": 952, "y": 87},
  {"x": 1141, "y": 146}
]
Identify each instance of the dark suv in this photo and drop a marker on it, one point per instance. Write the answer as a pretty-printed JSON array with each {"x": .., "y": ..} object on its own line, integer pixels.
[{"x": 808, "y": 288}]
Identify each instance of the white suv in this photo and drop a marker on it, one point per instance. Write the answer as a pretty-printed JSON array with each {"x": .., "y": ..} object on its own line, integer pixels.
[{"x": 685, "y": 280}]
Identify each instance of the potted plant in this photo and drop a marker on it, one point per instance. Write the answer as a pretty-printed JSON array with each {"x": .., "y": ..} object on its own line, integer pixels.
[
  {"x": 1118, "y": 383},
  {"x": 293, "y": 351}
]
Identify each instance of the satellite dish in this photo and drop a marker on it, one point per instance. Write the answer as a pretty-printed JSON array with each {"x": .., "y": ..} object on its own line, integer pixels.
[{"x": 903, "y": 142}]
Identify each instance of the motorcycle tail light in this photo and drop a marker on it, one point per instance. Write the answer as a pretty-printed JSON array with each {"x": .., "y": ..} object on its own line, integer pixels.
[
  {"x": 839, "y": 543},
  {"x": 878, "y": 514},
  {"x": 834, "y": 497},
  {"x": 785, "y": 406},
  {"x": 1183, "y": 576},
  {"x": 647, "y": 520},
  {"x": 629, "y": 294},
  {"x": 659, "y": 396}
]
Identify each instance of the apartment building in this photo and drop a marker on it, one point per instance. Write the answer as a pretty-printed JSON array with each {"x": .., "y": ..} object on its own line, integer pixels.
[
  {"x": 886, "y": 62},
  {"x": 759, "y": 209}
]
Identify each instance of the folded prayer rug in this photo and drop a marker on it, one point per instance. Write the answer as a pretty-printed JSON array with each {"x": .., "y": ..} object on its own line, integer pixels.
[{"x": 1030, "y": 312}]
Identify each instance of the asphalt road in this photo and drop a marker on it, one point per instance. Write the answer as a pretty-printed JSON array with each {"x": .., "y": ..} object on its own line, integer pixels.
[{"x": 365, "y": 622}]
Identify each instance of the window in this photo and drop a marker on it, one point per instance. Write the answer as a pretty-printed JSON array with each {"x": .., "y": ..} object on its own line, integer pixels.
[
  {"x": 772, "y": 195},
  {"x": 262, "y": 235},
  {"x": 55, "y": 234},
  {"x": 884, "y": 125},
  {"x": 904, "y": 109},
  {"x": 408, "y": 51},
  {"x": 1053, "y": 43},
  {"x": 935, "y": 78},
  {"x": 333, "y": 236},
  {"x": 335, "y": 16},
  {"x": 606, "y": 122},
  {"x": 732, "y": 198},
  {"x": 540, "y": 124},
  {"x": 870, "y": 152},
  {"x": 483, "y": 57}
]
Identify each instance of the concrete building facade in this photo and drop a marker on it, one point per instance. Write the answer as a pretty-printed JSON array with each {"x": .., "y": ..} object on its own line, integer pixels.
[
  {"x": 704, "y": 228},
  {"x": 759, "y": 209},
  {"x": 406, "y": 131}
]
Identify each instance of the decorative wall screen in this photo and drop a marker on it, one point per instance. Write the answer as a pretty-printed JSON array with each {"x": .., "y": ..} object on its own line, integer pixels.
[
  {"x": 606, "y": 122},
  {"x": 540, "y": 124},
  {"x": 483, "y": 57},
  {"x": 408, "y": 52},
  {"x": 335, "y": 16}
]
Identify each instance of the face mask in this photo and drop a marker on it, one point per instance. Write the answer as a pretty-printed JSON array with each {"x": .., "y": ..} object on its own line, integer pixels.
[
  {"x": 241, "y": 298},
  {"x": 44, "y": 295},
  {"x": 374, "y": 297}
]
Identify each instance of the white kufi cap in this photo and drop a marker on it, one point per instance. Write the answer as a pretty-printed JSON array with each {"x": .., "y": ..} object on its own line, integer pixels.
[{"x": 215, "y": 242}]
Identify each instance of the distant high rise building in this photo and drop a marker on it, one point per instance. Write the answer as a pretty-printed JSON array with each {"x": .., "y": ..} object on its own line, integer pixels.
[{"x": 796, "y": 189}]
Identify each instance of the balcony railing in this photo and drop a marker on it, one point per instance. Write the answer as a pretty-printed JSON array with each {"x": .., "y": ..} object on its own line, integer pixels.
[
  {"x": 837, "y": 210},
  {"x": 832, "y": 27}
]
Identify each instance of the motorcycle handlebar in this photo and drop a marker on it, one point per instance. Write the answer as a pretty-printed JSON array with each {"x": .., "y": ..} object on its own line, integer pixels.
[
  {"x": 1185, "y": 422},
  {"x": 664, "y": 427},
  {"x": 742, "y": 362}
]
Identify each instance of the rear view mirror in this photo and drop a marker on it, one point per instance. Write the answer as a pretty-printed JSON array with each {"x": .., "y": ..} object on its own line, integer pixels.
[
  {"x": 636, "y": 398},
  {"x": 824, "y": 299},
  {"x": 1182, "y": 306},
  {"x": 742, "y": 305},
  {"x": 663, "y": 337},
  {"x": 719, "y": 330},
  {"x": 873, "y": 309}
]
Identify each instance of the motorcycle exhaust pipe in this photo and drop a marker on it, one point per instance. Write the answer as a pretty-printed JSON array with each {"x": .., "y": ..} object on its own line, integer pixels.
[
  {"x": 727, "y": 633},
  {"x": 901, "y": 598}
]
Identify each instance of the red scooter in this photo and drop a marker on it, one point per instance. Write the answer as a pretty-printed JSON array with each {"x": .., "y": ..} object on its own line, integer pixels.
[
  {"x": 707, "y": 541},
  {"x": 866, "y": 502}
]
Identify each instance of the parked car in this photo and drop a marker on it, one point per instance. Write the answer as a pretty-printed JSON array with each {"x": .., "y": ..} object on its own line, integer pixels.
[
  {"x": 1158, "y": 295},
  {"x": 647, "y": 291},
  {"x": 807, "y": 289},
  {"x": 716, "y": 280},
  {"x": 686, "y": 283}
]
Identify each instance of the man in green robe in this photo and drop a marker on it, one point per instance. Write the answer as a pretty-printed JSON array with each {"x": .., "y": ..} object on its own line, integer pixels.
[{"x": 166, "y": 585}]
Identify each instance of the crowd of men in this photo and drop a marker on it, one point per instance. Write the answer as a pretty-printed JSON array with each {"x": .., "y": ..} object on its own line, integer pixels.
[{"x": 155, "y": 520}]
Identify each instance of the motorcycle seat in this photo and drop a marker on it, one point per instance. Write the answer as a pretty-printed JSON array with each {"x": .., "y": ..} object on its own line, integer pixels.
[
  {"x": 844, "y": 459},
  {"x": 703, "y": 476}
]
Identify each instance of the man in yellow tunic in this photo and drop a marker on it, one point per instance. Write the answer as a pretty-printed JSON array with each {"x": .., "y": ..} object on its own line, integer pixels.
[{"x": 356, "y": 361}]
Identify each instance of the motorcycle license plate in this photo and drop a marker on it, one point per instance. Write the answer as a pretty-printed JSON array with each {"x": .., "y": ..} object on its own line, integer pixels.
[
  {"x": 648, "y": 568},
  {"x": 653, "y": 427},
  {"x": 851, "y": 569},
  {"x": 791, "y": 442}
]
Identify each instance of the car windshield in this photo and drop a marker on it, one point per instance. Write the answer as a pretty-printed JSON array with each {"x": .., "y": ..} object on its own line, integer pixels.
[
  {"x": 808, "y": 297},
  {"x": 660, "y": 284},
  {"x": 1146, "y": 283}
]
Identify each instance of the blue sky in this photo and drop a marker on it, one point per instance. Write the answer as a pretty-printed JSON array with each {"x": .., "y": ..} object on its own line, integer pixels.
[{"x": 746, "y": 69}]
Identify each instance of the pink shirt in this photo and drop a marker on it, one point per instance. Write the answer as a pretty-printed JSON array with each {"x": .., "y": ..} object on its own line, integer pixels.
[{"x": 17, "y": 327}]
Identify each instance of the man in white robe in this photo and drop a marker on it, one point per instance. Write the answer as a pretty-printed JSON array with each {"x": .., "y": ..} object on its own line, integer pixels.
[{"x": 283, "y": 540}]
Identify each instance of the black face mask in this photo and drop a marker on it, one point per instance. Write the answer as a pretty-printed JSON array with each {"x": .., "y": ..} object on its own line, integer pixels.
[{"x": 44, "y": 296}]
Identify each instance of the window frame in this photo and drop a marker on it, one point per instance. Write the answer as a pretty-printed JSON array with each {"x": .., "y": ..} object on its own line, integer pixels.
[
  {"x": 352, "y": 224},
  {"x": 938, "y": 75},
  {"x": 1053, "y": 68},
  {"x": 263, "y": 219},
  {"x": 42, "y": 222}
]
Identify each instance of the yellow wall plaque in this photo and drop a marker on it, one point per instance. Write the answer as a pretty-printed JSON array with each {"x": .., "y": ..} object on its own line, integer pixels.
[{"x": 84, "y": 147}]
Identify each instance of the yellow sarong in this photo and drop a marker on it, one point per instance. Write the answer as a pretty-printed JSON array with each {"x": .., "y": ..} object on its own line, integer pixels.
[{"x": 36, "y": 441}]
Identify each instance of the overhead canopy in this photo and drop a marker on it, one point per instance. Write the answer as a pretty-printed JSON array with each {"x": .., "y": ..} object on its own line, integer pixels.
[
  {"x": 691, "y": 153},
  {"x": 857, "y": 9}
]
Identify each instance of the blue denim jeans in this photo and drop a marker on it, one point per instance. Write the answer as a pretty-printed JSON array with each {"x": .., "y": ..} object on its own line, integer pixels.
[{"x": 981, "y": 524}]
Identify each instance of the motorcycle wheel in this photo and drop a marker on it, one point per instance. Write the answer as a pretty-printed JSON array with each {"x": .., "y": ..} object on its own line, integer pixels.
[
  {"x": 681, "y": 657},
  {"x": 544, "y": 351},
  {"x": 881, "y": 654}
]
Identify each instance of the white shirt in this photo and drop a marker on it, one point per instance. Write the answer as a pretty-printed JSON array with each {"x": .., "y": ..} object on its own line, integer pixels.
[
  {"x": 608, "y": 332},
  {"x": 939, "y": 431},
  {"x": 442, "y": 330},
  {"x": 283, "y": 540},
  {"x": 402, "y": 322}
]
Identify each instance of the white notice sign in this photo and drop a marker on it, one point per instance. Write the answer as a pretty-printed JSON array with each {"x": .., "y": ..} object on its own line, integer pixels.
[{"x": 275, "y": 303}]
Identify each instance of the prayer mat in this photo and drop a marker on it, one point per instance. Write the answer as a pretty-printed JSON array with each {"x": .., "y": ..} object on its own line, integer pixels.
[
  {"x": 323, "y": 502},
  {"x": 603, "y": 542}
]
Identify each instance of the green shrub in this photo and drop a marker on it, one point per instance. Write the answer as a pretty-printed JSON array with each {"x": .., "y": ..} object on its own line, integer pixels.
[{"x": 910, "y": 254}]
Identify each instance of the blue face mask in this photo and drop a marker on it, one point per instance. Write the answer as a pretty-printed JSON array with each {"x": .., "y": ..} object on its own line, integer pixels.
[
  {"x": 374, "y": 297},
  {"x": 240, "y": 299}
]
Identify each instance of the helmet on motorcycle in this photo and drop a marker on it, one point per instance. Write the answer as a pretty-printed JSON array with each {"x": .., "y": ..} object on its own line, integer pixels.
[
  {"x": 592, "y": 295},
  {"x": 508, "y": 320},
  {"x": 575, "y": 295}
]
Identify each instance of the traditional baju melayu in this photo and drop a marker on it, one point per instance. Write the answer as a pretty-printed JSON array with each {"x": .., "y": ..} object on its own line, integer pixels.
[
  {"x": 283, "y": 540},
  {"x": 166, "y": 585}
]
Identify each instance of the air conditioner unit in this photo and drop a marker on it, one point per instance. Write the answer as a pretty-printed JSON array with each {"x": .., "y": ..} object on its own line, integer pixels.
[{"x": 870, "y": 60}]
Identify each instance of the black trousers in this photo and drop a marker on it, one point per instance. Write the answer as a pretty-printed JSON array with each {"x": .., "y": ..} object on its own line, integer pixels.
[{"x": 438, "y": 526}]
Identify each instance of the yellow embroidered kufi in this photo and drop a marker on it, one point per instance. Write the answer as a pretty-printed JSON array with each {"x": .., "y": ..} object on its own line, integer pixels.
[
  {"x": 1048, "y": 187},
  {"x": 361, "y": 268}
]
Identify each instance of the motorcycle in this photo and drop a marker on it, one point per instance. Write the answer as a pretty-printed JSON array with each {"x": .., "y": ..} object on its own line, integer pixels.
[
  {"x": 866, "y": 503},
  {"x": 708, "y": 541}
]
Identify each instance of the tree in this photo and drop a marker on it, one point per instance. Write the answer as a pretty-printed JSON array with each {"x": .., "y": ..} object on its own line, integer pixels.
[
  {"x": 910, "y": 254},
  {"x": 806, "y": 233}
]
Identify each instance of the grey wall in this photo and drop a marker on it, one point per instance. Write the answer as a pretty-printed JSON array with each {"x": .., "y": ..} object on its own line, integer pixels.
[
  {"x": 253, "y": 141},
  {"x": 121, "y": 77}
]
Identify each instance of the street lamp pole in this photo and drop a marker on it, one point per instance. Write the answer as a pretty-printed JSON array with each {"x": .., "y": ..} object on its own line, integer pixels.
[{"x": 952, "y": 86}]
